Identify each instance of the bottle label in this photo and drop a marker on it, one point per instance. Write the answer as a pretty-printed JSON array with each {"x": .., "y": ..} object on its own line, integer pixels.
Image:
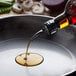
[{"x": 64, "y": 23}]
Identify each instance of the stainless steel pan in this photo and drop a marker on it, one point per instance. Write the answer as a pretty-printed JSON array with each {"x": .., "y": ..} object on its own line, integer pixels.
[{"x": 58, "y": 50}]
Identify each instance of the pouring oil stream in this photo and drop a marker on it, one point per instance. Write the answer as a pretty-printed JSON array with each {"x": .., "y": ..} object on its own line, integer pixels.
[{"x": 60, "y": 22}]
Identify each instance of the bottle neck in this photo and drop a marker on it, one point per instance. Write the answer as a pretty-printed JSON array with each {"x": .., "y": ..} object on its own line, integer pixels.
[{"x": 59, "y": 22}]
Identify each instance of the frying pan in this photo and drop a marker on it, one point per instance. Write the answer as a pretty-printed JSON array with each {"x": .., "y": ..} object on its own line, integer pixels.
[{"x": 58, "y": 50}]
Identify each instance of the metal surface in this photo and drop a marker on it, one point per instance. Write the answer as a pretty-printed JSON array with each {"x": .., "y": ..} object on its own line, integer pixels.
[
  {"x": 25, "y": 27},
  {"x": 55, "y": 56}
]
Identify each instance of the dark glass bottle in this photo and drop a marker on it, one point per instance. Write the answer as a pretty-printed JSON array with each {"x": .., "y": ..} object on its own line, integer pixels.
[{"x": 63, "y": 20}]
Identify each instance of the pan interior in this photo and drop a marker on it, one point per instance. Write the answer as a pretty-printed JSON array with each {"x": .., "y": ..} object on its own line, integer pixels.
[{"x": 58, "y": 60}]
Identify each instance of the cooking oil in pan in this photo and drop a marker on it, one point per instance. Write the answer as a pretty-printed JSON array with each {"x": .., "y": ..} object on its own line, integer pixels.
[
  {"x": 33, "y": 59},
  {"x": 58, "y": 60},
  {"x": 30, "y": 59}
]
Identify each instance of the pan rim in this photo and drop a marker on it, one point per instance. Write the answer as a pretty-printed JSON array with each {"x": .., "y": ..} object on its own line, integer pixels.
[
  {"x": 35, "y": 16},
  {"x": 9, "y": 16}
]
